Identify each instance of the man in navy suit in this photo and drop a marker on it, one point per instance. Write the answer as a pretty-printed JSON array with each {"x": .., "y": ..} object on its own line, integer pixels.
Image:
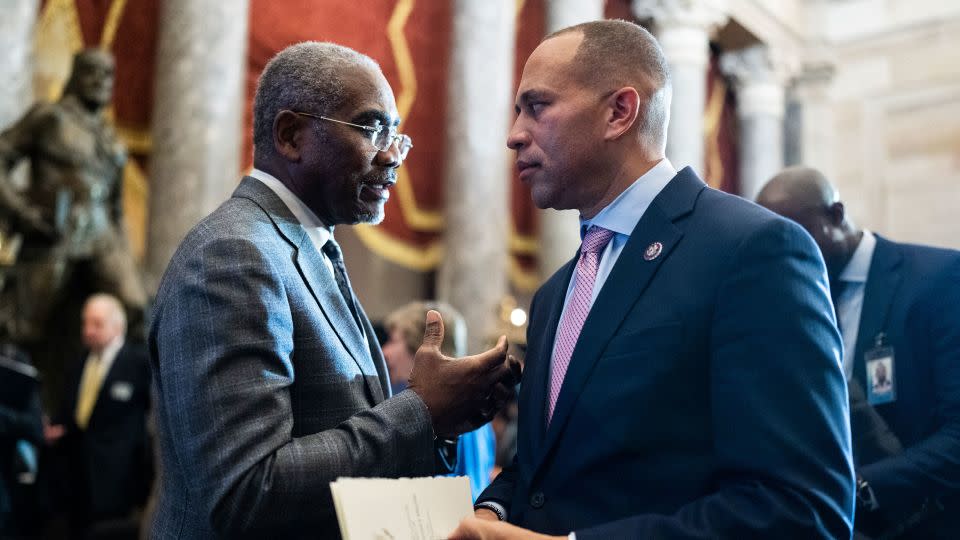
[
  {"x": 683, "y": 369},
  {"x": 898, "y": 306},
  {"x": 101, "y": 430}
]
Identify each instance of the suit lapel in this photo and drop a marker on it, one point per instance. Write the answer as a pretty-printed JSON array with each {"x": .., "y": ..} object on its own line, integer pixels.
[
  {"x": 882, "y": 282},
  {"x": 376, "y": 355},
  {"x": 315, "y": 275},
  {"x": 106, "y": 382},
  {"x": 535, "y": 411}
]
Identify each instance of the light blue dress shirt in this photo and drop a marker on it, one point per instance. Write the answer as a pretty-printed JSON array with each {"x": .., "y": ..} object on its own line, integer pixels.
[
  {"x": 621, "y": 216},
  {"x": 850, "y": 303}
]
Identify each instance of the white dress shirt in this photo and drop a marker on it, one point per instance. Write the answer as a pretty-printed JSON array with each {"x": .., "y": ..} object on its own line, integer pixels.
[
  {"x": 850, "y": 302},
  {"x": 318, "y": 232}
]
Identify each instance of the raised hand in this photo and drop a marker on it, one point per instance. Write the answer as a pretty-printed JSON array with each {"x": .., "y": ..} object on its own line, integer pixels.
[{"x": 461, "y": 393}]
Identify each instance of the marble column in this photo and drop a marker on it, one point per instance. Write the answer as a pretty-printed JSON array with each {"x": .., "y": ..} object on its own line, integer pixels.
[
  {"x": 683, "y": 28},
  {"x": 758, "y": 78},
  {"x": 197, "y": 119},
  {"x": 559, "y": 229},
  {"x": 17, "y": 21},
  {"x": 473, "y": 274},
  {"x": 810, "y": 133}
]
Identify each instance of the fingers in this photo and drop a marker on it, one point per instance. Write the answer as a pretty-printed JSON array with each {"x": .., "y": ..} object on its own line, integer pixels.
[
  {"x": 515, "y": 370},
  {"x": 492, "y": 359},
  {"x": 500, "y": 395},
  {"x": 468, "y": 529},
  {"x": 433, "y": 332}
]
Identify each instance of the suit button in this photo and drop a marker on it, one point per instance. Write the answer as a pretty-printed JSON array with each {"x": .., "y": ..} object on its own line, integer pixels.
[{"x": 536, "y": 500}]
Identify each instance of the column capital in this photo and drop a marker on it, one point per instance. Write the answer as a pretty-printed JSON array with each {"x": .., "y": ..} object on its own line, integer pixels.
[
  {"x": 706, "y": 15},
  {"x": 813, "y": 81},
  {"x": 758, "y": 64},
  {"x": 760, "y": 75}
]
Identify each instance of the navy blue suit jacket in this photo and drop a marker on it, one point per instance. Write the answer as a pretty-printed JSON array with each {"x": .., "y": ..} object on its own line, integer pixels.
[
  {"x": 704, "y": 398},
  {"x": 913, "y": 296}
]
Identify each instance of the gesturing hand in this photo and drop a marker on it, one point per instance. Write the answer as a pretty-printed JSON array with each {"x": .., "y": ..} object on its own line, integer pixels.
[{"x": 461, "y": 394}]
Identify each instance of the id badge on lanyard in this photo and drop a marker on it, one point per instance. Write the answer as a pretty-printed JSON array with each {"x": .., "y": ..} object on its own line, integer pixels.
[{"x": 881, "y": 375}]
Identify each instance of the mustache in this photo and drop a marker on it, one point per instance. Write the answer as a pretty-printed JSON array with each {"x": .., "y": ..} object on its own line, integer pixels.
[{"x": 380, "y": 179}]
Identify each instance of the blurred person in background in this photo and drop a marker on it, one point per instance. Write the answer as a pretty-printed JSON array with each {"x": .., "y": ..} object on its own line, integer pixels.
[
  {"x": 99, "y": 435},
  {"x": 404, "y": 332}
]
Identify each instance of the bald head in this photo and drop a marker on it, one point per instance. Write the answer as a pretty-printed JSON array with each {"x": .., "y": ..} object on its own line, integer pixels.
[
  {"x": 804, "y": 195},
  {"x": 799, "y": 190}
]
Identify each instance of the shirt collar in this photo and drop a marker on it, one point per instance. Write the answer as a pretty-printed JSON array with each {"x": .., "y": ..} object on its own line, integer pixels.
[
  {"x": 109, "y": 353},
  {"x": 304, "y": 215},
  {"x": 622, "y": 215},
  {"x": 858, "y": 268}
]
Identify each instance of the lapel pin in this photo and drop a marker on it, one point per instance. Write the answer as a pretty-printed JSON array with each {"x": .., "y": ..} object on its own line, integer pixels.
[{"x": 653, "y": 251}]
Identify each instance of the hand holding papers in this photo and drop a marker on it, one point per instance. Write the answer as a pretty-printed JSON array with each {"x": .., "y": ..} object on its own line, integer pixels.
[{"x": 402, "y": 509}]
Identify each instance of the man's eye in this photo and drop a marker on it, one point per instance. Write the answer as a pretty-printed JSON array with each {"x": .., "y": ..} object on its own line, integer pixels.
[{"x": 537, "y": 106}]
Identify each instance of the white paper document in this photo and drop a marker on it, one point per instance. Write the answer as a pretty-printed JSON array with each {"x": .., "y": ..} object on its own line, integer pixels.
[{"x": 400, "y": 509}]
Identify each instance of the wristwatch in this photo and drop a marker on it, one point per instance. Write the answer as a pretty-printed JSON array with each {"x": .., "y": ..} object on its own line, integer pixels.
[{"x": 497, "y": 509}]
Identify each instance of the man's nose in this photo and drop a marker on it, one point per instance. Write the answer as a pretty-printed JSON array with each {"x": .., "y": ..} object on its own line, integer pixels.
[
  {"x": 389, "y": 158},
  {"x": 518, "y": 136}
]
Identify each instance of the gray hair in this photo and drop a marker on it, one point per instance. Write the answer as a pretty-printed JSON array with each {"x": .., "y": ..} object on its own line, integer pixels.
[
  {"x": 617, "y": 53},
  {"x": 306, "y": 77}
]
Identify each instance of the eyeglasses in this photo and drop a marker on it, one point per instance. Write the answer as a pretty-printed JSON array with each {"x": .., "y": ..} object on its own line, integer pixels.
[{"x": 381, "y": 137}]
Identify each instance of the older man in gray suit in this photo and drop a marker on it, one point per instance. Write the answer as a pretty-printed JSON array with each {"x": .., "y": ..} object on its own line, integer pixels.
[{"x": 270, "y": 382}]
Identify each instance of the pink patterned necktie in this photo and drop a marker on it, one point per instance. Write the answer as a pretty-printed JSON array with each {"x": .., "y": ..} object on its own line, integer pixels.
[{"x": 577, "y": 309}]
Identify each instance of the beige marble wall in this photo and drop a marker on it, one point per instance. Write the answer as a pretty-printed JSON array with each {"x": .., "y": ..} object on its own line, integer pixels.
[{"x": 896, "y": 110}]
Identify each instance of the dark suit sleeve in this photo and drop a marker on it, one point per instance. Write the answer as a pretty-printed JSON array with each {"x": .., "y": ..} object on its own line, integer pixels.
[
  {"x": 224, "y": 340},
  {"x": 930, "y": 468},
  {"x": 779, "y": 402}
]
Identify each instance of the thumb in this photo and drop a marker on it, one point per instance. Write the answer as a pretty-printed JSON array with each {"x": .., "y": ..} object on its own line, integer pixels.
[{"x": 433, "y": 331}]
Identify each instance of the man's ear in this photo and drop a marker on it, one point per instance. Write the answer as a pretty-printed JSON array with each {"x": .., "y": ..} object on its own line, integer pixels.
[
  {"x": 288, "y": 135},
  {"x": 624, "y": 108}
]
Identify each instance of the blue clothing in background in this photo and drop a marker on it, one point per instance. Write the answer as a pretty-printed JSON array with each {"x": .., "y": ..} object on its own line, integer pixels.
[{"x": 476, "y": 453}]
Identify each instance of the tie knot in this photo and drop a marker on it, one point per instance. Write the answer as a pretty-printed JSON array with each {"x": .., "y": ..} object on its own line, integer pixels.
[
  {"x": 595, "y": 239},
  {"x": 332, "y": 250}
]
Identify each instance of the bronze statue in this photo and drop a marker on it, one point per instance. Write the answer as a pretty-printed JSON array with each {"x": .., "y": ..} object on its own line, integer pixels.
[{"x": 70, "y": 216}]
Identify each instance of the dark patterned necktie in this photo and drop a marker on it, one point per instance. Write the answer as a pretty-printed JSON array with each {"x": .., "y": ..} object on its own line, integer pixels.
[{"x": 332, "y": 251}]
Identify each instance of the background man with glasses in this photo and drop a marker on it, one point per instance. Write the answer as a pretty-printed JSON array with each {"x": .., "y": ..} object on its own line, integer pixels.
[
  {"x": 270, "y": 381},
  {"x": 682, "y": 374}
]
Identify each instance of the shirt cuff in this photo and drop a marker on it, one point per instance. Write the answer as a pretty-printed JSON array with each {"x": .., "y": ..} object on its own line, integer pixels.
[{"x": 572, "y": 536}]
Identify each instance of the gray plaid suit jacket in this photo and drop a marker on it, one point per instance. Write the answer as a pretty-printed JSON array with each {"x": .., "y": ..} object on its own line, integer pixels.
[{"x": 266, "y": 391}]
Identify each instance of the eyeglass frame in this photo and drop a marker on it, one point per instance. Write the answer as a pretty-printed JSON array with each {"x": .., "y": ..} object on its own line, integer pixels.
[{"x": 398, "y": 138}]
